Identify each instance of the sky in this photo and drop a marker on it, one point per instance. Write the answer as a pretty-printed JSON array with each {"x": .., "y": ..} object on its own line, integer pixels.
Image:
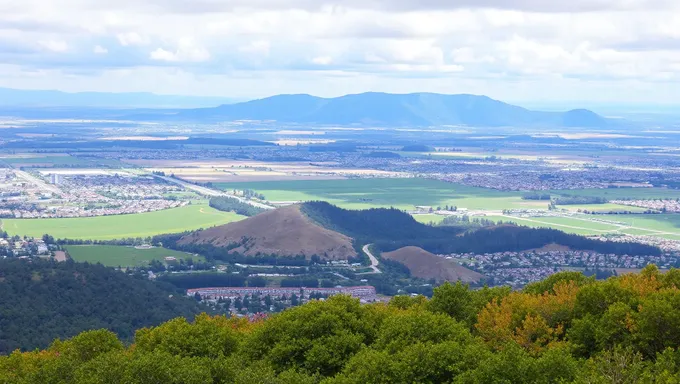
[{"x": 619, "y": 51}]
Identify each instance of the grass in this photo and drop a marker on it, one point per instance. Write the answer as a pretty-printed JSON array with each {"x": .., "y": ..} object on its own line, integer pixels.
[
  {"x": 602, "y": 208},
  {"x": 114, "y": 256},
  {"x": 532, "y": 223},
  {"x": 388, "y": 192},
  {"x": 174, "y": 220},
  {"x": 59, "y": 161},
  {"x": 623, "y": 193},
  {"x": 661, "y": 222},
  {"x": 429, "y": 218}
]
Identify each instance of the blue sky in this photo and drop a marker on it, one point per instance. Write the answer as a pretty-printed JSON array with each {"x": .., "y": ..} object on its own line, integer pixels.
[{"x": 521, "y": 50}]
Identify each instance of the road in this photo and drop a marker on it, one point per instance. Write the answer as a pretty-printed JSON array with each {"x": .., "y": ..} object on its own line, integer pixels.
[
  {"x": 212, "y": 192},
  {"x": 34, "y": 180},
  {"x": 374, "y": 260}
]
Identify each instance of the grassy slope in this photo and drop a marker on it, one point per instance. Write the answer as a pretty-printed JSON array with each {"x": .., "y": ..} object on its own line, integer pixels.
[
  {"x": 121, "y": 226},
  {"x": 113, "y": 256}
]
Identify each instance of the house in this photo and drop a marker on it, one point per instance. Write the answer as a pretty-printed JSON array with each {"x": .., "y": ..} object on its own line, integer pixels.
[{"x": 171, "y": 260}]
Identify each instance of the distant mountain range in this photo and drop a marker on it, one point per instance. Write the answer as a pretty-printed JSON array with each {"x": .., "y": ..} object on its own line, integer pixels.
[
  {"x": 365, "y": 109},
  {"x": 384, "y": 109},
  {"x": 42, "y": 98}
]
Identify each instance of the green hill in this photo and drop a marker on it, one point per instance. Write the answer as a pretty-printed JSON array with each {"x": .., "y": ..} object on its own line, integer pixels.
[
  {"x": 42, "y": 300},
  {"x": 391, "y": 229}
]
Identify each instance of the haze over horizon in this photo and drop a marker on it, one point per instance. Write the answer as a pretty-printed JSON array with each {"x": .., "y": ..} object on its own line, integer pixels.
[{"x": 521, "y": 51}]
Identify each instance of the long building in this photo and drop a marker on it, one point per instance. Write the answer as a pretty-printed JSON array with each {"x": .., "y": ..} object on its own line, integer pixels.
[{"x": 364, "y": 293}]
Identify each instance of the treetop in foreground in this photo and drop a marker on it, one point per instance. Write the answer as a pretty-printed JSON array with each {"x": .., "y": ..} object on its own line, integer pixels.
[{"x": 565, "y": 329}]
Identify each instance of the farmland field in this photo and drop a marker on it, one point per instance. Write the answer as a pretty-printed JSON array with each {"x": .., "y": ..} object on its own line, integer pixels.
[
  {"x": 56, "y": 160},
  {"x": 403, "y": 193},
  {"x": 660, "y": 225},
  {"x": 602, "y": 208},
  {"x": 579, "y": 228},
  {"x": 114, "y": 256},
  {"x": 623, "y": 193},
  {"x": 174, "y": 220}
]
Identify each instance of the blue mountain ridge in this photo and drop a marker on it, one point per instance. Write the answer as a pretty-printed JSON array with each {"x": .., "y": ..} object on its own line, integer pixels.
[{"x": 385, "y": 109}]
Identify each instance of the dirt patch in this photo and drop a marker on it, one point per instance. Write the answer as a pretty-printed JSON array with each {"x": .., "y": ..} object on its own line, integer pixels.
[
  {"x": 284, "y": 232},
  {"x": 426, "y": 265},
  {"x": 60, "y": 256}
]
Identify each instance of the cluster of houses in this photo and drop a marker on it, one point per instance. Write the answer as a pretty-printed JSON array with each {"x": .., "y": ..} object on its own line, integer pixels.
[
  {"x": 91, "y": 195},
  {"x": 668, "y": 205},
  {"x": 24, "y": 247},
  {"x": 364, "y": 293}
]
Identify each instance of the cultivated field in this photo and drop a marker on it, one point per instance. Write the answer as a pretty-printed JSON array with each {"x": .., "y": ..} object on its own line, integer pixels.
[
  {"x": 623, "y": 193},
  {"x": 602, "y": 208},
  {"x": 221, "y": 170},
  {"x": 387, "y": 192},
  {"x": 174, "y": 220},
  {"x": 54, "y": 160},
  {"x": 114, "y": 256},
  {"x": 666, "y": 225}
]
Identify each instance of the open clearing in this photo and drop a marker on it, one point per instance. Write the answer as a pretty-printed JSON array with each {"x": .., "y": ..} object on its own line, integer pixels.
[
  {"x": 387, "y": 192},
  {"x": 114, "y": 256},
  {"x": 174, "y": 220}
]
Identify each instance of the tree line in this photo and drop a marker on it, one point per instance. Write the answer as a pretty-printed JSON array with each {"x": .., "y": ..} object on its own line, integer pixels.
[
  {"x": 566, "y": 329},
  {"x": 230, "y": 204}
]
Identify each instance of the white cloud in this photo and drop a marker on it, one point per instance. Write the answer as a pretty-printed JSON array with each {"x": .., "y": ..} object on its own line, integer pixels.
[
  {"x": 54, "y": 45},
  {"x": 259, "y": 47},
  {"x": 186, "y": 51},
  {"x": 322, "y": 60},
  {"x": 477, "y": 46},
  {"x": 131, "y": 38}
]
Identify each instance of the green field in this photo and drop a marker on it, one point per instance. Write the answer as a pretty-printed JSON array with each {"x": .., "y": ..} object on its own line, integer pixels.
[
  {"x": 579, "y": 228},
  {"x": 666, "y": 225},
  {"x": 663, "y": 222},
  {"x": 398, "y": 193},
  {"x": 114, "y": 256},
  {"x": 59, "y": 161},
  {"x": 173, "y": 220},
  {"x": 602, "y": 208},
  {"x": 622, "y": 193},
  {"x": 429, "y": 218}
]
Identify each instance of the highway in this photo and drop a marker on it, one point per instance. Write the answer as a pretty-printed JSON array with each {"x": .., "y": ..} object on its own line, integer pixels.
[
  {"x": 212, "y": 192},
  {"x": 34, "y": 180},
  {"x": 374, "y": 260}
]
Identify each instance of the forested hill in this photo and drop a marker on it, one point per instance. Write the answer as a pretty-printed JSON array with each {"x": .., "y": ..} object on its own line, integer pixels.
[
  {"x": 43, "y": 300},
  {"x": 374, "y": 224},
  {"x": 565, "y": 329},
  {"x": 391, "y": 229}
]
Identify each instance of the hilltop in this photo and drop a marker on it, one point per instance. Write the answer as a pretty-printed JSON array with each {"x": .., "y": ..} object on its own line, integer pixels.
[
  {"x": 332, "y": 233},
  {"x": 385, "y": 109},
  {"x": 426, "y": 265},
  {"x": 284, "y": 232}
]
